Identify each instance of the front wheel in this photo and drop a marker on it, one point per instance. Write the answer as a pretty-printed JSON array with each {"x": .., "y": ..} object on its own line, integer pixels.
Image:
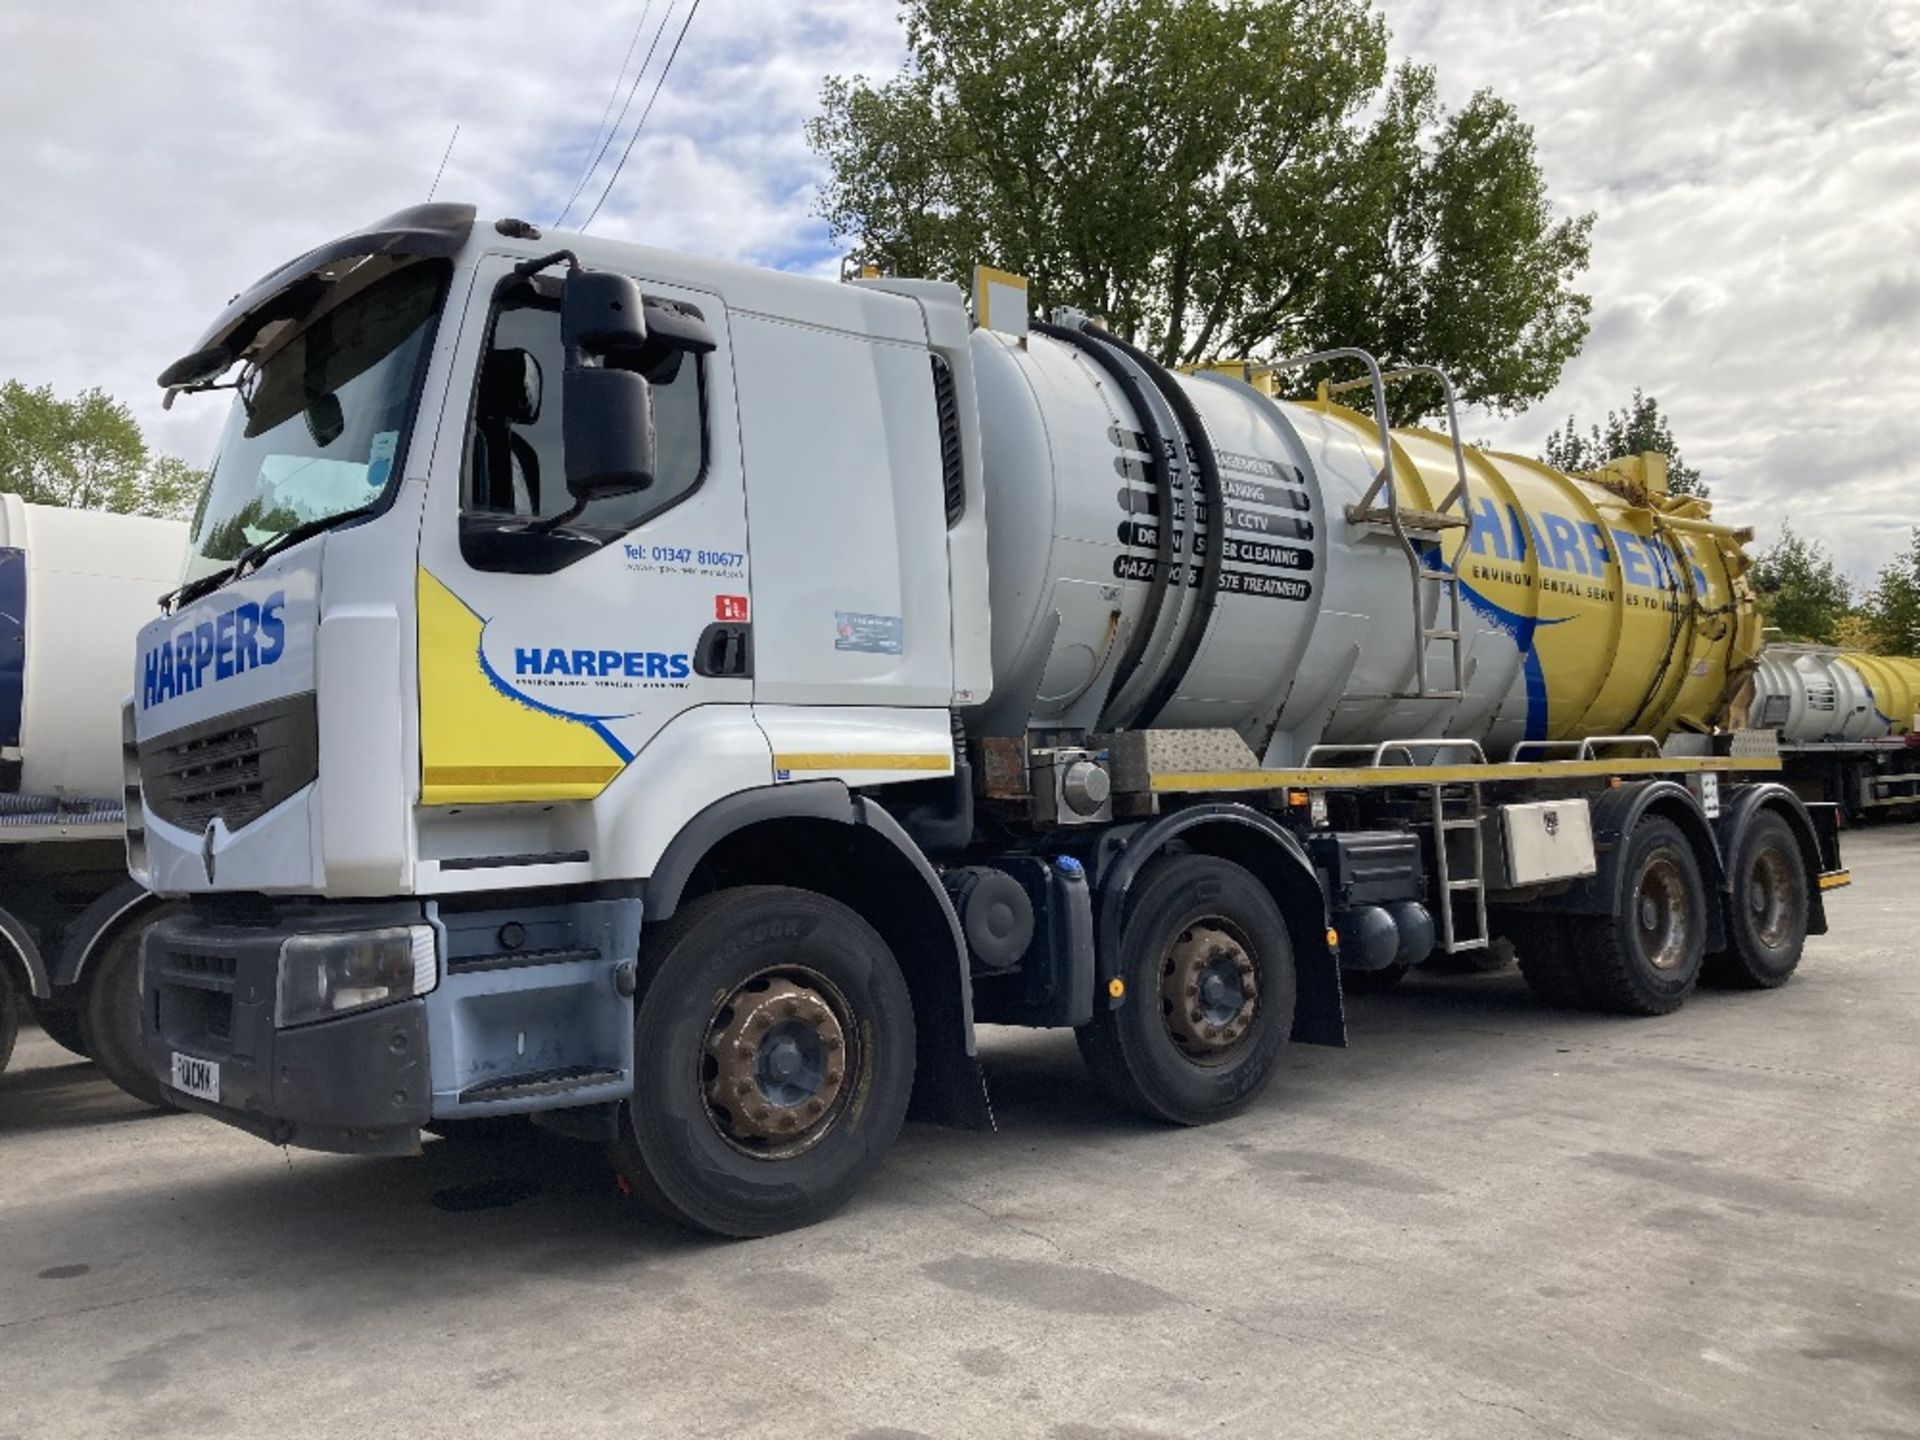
[
  {"x": 110, "y": 1018},
  {"x": 1767, "y": 916},
  {"x": 62, "y": 1024},
  {"x": 1209, "y": 994},
  {"x": 773, "y": 1061},
  {"x": 9, "y": 1015}
]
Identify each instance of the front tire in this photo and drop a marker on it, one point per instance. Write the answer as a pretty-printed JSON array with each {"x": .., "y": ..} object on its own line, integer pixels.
[
  {"x": 1767, "y": 919},
  {"x": 773, "y": 1062},
  {"x": 9, "y": 1016},
  {"x": 1646, "y": 958},
  {"x": 110, "y": 1018},
  {"x": 1209, "y": 994},
  {"x": 63, "y": 1025}
]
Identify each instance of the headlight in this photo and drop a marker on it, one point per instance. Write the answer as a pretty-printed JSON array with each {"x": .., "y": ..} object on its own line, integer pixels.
[{"x": 325, "y": 975}]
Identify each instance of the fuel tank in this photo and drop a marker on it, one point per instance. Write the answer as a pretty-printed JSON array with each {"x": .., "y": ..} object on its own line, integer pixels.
[
  {"x": 1588, "y": 605},
  {"x": 1813, "y": 694}
]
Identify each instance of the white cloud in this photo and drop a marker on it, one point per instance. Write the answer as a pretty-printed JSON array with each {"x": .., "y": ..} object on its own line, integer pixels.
[
  {"x": 1753, "y": 163},
  {"x": 1756, "y": 260}
]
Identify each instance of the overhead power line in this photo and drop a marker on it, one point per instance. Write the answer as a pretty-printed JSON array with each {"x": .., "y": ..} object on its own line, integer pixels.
[
  {"x": 603, "y": 133},
  {"x": 665, "y": 70}
]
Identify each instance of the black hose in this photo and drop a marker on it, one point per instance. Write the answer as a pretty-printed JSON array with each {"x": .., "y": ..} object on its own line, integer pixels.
[
  {"x": 1195, "y": 630},
  {"x": 1163, "y": 558}
]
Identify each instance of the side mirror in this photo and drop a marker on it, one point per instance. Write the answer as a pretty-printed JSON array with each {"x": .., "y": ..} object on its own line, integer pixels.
[
  {"x": 601, "y": 313},
  {"x": 608, "y": 424},
  {"x": 608, "y": 431}
]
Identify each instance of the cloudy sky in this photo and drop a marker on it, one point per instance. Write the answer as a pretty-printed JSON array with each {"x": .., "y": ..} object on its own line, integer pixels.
[{"x": 1755, "y": 165}]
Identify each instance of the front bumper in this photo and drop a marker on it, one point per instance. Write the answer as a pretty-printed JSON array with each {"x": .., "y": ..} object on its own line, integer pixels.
[
  {"x": 360, "y": 1083},
  {"x": 531, "y": 1010}
]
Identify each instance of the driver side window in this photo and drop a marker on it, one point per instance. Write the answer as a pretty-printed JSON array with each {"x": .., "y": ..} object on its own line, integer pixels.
[{"x": 516, "y": 460}]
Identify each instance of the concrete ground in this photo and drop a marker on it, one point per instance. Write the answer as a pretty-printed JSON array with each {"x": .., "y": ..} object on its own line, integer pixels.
[{"x": 1484, "y": 1219}]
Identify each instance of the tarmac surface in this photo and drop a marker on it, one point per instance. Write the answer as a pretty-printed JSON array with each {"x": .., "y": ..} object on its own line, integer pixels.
[{"x": 1483, "y": 1219}]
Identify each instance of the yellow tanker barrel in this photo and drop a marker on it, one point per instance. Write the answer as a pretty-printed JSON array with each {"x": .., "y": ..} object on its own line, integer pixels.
[
  {"x": 1630, "y": 606},
  {"x": 1894, "y": 682}
]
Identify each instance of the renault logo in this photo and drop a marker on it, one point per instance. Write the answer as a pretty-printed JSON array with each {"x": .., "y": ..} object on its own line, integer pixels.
[
  {"x": 206, "y": 849},
  {"x": 1549, "y": 821}
]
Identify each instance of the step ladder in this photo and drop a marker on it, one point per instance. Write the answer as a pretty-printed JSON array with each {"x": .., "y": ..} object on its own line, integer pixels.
[
  {"x": 1465, "y": 815},
  {"x": 1380, "y": 508}
]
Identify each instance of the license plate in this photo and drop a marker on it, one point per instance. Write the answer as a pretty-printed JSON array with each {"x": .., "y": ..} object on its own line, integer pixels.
[{"x": 196, "y": 1076}]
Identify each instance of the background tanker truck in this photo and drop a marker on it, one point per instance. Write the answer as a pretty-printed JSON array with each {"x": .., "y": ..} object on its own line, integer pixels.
[
  {"x": 678, "y": 701},
  {"x": 75, "y": 586},
  {"x": 1849, "y": 725}
]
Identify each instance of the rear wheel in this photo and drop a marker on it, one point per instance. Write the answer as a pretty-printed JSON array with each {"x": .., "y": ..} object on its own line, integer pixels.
[
  {"x": 1645, "y": 959},
  {"x": 1210, "y": 991},
  {"x": 773, "y": 1060},
  {"x": 1767, "y": 916},
  {"x": 62, "y": 1024},
  {"x": 1544, "y": 950},
  {"x": 110, "y": 1018}
]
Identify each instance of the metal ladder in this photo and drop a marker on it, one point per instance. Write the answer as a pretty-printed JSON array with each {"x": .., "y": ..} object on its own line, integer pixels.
[
  {"x": 1446, "y": 882},
  {"x": 1405, "y": 524}
]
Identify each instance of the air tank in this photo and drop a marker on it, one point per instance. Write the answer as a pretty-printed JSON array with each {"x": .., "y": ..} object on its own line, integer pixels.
[
  {"x": 1813, "y": 694},
  {"x": 1588, "y": 606},
  {"x": 75, "y": 587}
]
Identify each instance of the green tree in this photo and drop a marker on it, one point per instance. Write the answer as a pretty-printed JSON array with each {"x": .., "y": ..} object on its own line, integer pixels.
[
  {"x": 87, "y": 453},
  {"x": 1801, "y": 590},
  {"x": 1633, "y": 431},
  {"x": 1214, "y": 178},
  {"x": 1893, "y": 605}
]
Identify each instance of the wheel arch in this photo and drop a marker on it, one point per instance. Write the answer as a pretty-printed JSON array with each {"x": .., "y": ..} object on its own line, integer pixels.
[
  {"x": 1745, "y": 805},
  {"x": 89, "y": 931},
  {"x": 1275, "y": 857},
  {"x": 1615, "y": 814},
  {"x": 20, "y": 956},
  {"x": 816, "y": 835}
]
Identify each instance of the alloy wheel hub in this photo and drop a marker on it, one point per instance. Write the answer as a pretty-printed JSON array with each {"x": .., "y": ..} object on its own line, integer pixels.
[
  {"x": 778, "y": 1063},
  {"x": 1209, "y": 990}
]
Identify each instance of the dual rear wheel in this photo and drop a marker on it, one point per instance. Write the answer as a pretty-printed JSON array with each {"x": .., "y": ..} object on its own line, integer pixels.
[{"x": 1649, "y": 955}]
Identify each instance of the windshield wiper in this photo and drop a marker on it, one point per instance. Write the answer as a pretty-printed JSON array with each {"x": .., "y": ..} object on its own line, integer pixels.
[{"x": 251, "y": 558}]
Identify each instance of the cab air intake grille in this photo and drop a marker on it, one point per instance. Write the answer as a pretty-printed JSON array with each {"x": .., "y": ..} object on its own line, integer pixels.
[
  {"x": 946, "y": 411},
  {"x": 234, "y": 768}
]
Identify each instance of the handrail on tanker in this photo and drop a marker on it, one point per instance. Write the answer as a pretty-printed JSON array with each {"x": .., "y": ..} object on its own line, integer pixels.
[
  {"x": 1586, "y": 749},
  {"x": 1375, "y": 756},
  {"x": 1382, "y": 480}
]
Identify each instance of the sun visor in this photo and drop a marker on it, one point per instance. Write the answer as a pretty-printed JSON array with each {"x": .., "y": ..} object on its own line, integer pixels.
[{"x": 422, "y": 232}]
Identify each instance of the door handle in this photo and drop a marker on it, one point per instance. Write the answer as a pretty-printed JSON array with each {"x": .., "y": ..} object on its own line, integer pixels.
[{"x": 724, "y": 651}]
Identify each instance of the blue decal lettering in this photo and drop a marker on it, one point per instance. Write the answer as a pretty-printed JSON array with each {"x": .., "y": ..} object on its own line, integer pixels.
[
  {"x": 526, "y": 662},
  {"x": 202, "y": 651},
  {"x": 1566, "y": 544},
  {"x": 273, "y": 629},
  {"x": 583, "y": 663},
  {"x": 1596, "y": 546},
  {"x": 634, "y": 663},
  {"x": 1633, "y": 559},
  {"x": 223, "y": 645},
  {"x": 149, "y": 679},
  {"x": 611, "y": 662},
  {"x": 246, "y": 632},
  {"x": 557, "y": 663},
  {"x": 183, "y": 662},
  {"x": 1487, "y": 526},
  {"x": 656, "y": 665},
  {"x": 677, "y": 667}
]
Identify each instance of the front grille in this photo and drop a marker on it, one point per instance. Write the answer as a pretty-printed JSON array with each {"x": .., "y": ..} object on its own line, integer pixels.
[
  {"x": 235, "y": 767},
  {"x": 187, "y": 962}
]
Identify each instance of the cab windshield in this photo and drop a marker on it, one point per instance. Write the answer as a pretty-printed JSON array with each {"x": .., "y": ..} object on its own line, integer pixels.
[{"x": 316, "y": 432}]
